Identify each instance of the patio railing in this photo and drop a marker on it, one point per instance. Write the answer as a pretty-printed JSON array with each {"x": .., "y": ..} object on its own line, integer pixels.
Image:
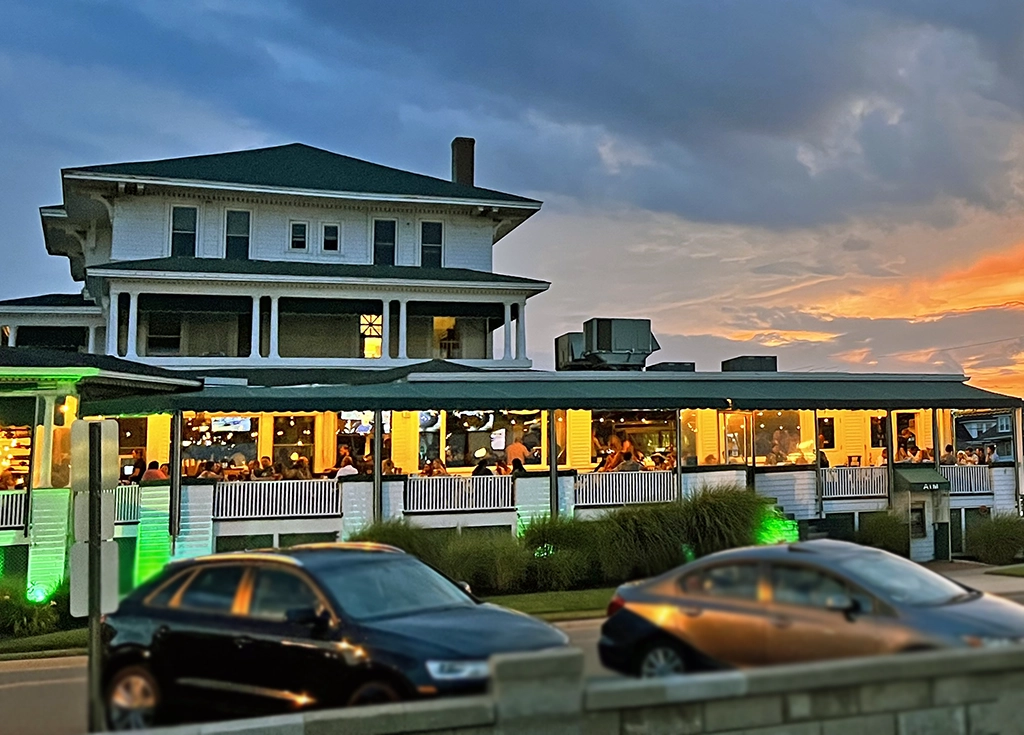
[
  {"x": 623, "y": 488},
  {"x": 265, "y": 499},
  {"x": 967, "y": 478},
  {"x": 12, "y": 509},
  {"x": 126, "y": 504},
  {"x": 458, "y": 493},
  {"x": 854, "y": 482}
]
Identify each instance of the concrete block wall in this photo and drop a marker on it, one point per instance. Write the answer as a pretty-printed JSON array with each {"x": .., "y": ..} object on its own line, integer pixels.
[{"x": 964, "y": 692}]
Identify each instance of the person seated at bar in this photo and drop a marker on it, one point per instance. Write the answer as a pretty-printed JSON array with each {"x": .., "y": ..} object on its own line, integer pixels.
[
  {"x": 153, "y": 473},
  {"x": 166, "y": 469},
  {"x": 211, "y": 471},
  {"x": 481, "y": 469},
  {"x": 518, "y": 470},
  {"x": 7, "y": 480},
  {"x": 387, "y": 467},
  {"x": 947, "y": 457},
  {"x": 914, "y": 454},
  {"x": 658, "y": 461},
  {"x": 348, "y": 467},
  {"x": 138, "y": 466},
  {"x": 278, "y": 471},
  {"x": 628, "y": 464},
  {"x": 299, "y": 470},
  {"x": 437, "y": 467},
  {"x": 991, "y": 455},
  {"x": 265, "y": 470},
  {"x": 501, "y": 467}
]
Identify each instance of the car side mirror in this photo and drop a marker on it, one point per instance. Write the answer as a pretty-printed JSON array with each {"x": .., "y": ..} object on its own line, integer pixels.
[
  {"x": 318, "y": 620},
  {"x": 465, "y": 587},
  {"x": 841, "y": 603}
]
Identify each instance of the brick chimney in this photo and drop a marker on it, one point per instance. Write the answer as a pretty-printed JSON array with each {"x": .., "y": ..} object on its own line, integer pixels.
[{"x": 462, "y": 160}]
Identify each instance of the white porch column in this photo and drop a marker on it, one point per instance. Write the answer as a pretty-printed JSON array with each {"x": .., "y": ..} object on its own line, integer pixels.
[
  {"x": 12, "y": 335},
  {"x": 91, "y": 348},
  {"x": 521, "y": 331},
  {"x": 385, "y": 330},
  {"x": 254, "y": 342},
  {"x": 507, "y": 354},
  {"x": 403, "y": 329},
  {"x": 133, "y": 324},
  {"x": 112, "y": 309},
  {"x": 273, "y": 326},
  {"x": 45, "y": 458}
]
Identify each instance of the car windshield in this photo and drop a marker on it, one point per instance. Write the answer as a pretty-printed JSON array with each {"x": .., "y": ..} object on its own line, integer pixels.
[
  {"x": 901, "y": 581},
  {"x": 390, "y": 586}
]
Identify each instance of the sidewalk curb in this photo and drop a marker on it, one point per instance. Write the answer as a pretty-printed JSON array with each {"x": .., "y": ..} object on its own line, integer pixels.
[{"x": 57, "y": 653}]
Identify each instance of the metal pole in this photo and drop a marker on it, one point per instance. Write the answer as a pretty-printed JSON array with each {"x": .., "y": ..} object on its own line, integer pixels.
[
  {"x": 175, "y": 478},
  {"x": 97, "y": 718},
  {"x": 818, "y": 493},
  {"x": 378, "y": 462},
  {"x": 679, "y": 455},
  {"x": 553, "y": 462},
  {"x": 892, "y": 456}
]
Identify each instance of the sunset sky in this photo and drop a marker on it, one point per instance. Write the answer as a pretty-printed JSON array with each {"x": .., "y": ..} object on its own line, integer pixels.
[{"x": 838, "y": 182}]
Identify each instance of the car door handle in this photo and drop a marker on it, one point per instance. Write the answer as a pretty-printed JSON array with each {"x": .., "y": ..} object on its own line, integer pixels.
[{"x": 781, "y": 622}]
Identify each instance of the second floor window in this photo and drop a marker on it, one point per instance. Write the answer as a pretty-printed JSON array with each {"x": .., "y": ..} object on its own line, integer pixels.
[
  {"x": 431, "y": 236},
  {"x": 237, "y": 238},
  {"x": 183, "y": 231},
  {"x": 371, "y": 333},
  {"x": 331, "y": 237},
  {"x": 384, "y": 237},
  {"x": 298, "y": 241}
]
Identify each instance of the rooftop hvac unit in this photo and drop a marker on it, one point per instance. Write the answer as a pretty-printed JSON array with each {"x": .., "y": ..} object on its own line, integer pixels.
[{"x": 606, "y": 344}]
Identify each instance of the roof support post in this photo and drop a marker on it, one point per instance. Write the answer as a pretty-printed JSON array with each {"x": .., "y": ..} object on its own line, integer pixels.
[
  {"x": 113, "y": 308},
  {"x": 378, "y": 462},
  {"x": 1018, "y": 451},
  {"x": 819, "y": 498},
  {"x": 890, "y": 456},
  {"x": 403, "y": 329},
  {"x": 553, "y": 461},
  {"x": 45, "y": 457},
  {"x": 521, "y": 331},
  {"x": 133, "y": 324},
  {"x": 507, "y": 354},
  {"x": 678, "y": 441},
  {"x": 175, "y": 478},
  {"x": 274, "y": 319},
  {"x": 91, "y": 348},
  {"x": 254, "y": 341},
  {"x": 12, "y": 335},
  {"x": 385, "y": 329}
]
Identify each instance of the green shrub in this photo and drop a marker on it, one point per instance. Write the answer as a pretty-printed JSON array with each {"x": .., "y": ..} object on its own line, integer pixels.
[
  {"x": 722, "y": 518},
  {"x": 998, "y": 539},
  {"x": 560, "y": 569},
  {"x": 888, "y": 531},
  {"x": 421, "y": 542},
  {"x": 510, "y": 568},
  {"x": 19, "y": 617}
]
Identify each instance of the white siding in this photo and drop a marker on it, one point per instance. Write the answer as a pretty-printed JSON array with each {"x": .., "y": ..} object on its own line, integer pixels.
[
  {"x": 856, "y": 505},
  {"x": 1004, "y": 489},
  {"x": 141, "y": 228},
  {"x": 467, "y": 244},
  {"x": 210, "y": 241},
  {"x": 794, "y": 491}
]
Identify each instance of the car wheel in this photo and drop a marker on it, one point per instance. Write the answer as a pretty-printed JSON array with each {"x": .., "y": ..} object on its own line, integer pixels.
[
  {"x": 132, "y": 699},
  {"x": 374, "y": 692},
  {"x": 660, "y": 659}
]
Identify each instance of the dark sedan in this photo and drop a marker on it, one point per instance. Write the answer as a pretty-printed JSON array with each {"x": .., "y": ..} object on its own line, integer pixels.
[
  {"x": 797, "y": 602},
  {"x": 315, "y": 626}
]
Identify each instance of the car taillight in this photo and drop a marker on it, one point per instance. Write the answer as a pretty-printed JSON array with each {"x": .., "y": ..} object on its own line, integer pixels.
[{"x": 615, "y": 605}]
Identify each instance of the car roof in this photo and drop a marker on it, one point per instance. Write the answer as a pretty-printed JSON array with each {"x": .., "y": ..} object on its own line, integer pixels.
[
  {"x": 819, "y": 549},
  {"x": 301, "y": 555}
]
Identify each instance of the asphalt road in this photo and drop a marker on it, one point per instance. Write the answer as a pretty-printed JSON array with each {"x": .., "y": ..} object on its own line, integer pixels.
[{"x": 47, "y": 696}]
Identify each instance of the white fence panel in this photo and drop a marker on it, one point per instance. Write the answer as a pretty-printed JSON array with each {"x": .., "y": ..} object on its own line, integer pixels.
[
  {"x": 458, "y": 493},
  {"x": 854, "y": 482},
  {"x": 967, "y": 478},
  {"x": 126, "y": 503},
  {"x": 623, "y": 488},
  {"x": 258, "y": 499},
  {"x": 12, "y": 508}
]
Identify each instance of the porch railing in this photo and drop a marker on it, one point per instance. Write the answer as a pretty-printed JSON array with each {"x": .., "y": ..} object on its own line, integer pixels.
[
  {"x": 126, "y": 504},
  {"x": 266, "y": 499},
  {"x": 623, "y": 488},
  {"x": 967, "y": 478},
  {"x": 854, "y": 482},
  {"x": 12, "y": 509},
  {"x": 458, "y": 493}
]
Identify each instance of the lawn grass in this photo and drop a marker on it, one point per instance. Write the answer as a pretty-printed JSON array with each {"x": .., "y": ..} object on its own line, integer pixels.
[
  {"x": 559, "y": 605},
  {"x": 61, "y": 640},
  {"x": 1017, "y": 570}
]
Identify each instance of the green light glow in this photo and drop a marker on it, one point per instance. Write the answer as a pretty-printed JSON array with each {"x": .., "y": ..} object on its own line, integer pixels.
[
  {"x": 47, "y": 555},
  {"x": 153, "y": 544},
  {"x": 776, "y": 529},
  {"x": 74, "y": 374}
]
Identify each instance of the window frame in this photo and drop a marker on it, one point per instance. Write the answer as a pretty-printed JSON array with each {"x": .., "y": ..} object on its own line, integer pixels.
[
  {"x": 175, "y": 603},
  {"x": 249, "y": 587},
  {"x": 854, "y": 591},
  {"x": 323, "y": 237},
  {"x": 248, "y": 242},
  {"x": 373, "y": 239},
  {"x": 444, "y": 232},
  {"x": 291, "y": 236},
  {"x": 171, "y": 231},
  {"x": 1004, "y": 420},
  {"x": 759, "y": 589}
]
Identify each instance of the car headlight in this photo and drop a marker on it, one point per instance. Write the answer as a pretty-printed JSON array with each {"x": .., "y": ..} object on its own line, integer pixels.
[
  {"x": 457, "y": 670},
  {"x": 983, "y": 641}
]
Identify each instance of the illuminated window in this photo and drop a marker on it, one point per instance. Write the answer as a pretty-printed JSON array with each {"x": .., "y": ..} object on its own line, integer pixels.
[{"x": 371, "y": 335}]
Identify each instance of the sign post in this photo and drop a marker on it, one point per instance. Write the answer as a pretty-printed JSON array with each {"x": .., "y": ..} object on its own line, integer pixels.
[{"x": 97, "y": 718}]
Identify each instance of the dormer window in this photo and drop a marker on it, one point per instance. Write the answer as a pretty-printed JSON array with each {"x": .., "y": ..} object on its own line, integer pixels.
[
  {"x": 183, "y": 231},
  {"x": 299, "y": 233},
  {"x": 332, "y": 237},
  {"x": 237, "y": 235},
  {"x": 384, "y": 238},
  {"x": 431, "y": 244}
]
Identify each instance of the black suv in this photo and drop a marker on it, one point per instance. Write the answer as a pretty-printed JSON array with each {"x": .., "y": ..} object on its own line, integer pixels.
[{"x": 324, "y": 625}]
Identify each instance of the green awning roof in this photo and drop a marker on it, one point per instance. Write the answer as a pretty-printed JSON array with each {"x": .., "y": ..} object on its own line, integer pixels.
[
  {"x": 520, "y": 391},
  {"x": 918, "y": 479}
]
